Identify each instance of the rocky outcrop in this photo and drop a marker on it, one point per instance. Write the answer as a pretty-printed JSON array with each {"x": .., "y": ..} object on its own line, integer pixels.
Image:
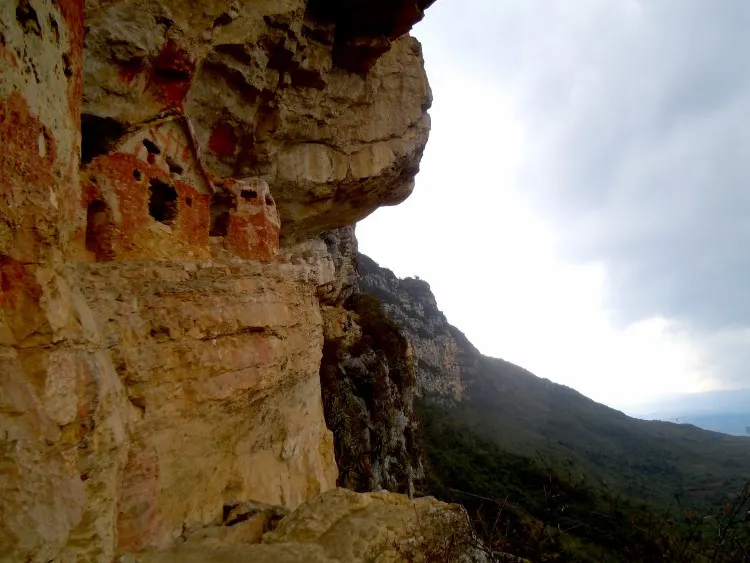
[
  {"x": 41, "y": 499},
  {"x": 364, "y": 30},
  {"x": 368, "y": 383},
  {"x": 325, "y": 101},
  {"x": 386, "y": 343},
  {"x": 161, "y": 349},
  {"x": 151, "y": 395},
  {"x": 342, "y": 526},
  {"x": 366, "y": 373},
  {"x": 444, "y": 358}
]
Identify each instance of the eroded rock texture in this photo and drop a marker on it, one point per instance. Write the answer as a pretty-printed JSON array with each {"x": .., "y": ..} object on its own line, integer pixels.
[
  {"x": 325, "y": 101},
  {"x": 367, "y": 377},
  {"x": 443, "y": 355},
  {"x": 40, "y": 91},
  {"x": 41, "y": 497},
  {"x": 369, "y": 383},
  {"x": 160, "y": 349},
  {"x": 159, "y": 393},
  {"x": 342, "y": 527}
]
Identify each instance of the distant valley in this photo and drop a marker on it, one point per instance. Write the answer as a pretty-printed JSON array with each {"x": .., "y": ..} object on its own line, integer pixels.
[
  {"x": 726, "y": 411},
  {"x": 530, "y": 416},
  {"x": 415, "y": 407}
]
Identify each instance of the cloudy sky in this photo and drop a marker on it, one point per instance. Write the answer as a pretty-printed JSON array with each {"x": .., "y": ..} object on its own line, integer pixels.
[{"x": 582, "y": 208}]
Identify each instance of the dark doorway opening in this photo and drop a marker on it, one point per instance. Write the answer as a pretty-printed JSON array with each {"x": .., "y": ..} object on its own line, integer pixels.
[
  {"x": 221, "y": 204},
  {"x": 98, "y": 136},
  {"x": 162, "y": 204}
]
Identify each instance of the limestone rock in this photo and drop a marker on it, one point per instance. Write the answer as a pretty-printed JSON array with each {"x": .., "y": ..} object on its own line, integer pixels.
[
  {"x": 333, "y": 256},
  {"x": 40, "y": 89},
  {"x": 368, "y": 381},
  {"x": 341, "y": 246},
  {"x": 270, "y": 95},
  {"x": 244, "y": 523},
  {"x": 342, "y": 526},
  {"x": 41, "y": 497},
  {"x": 364, "y": 29},
  {"x": 441, "y": 351},
  {"x": 175, "y": 390},
  {"x": 161, "y": 355}
]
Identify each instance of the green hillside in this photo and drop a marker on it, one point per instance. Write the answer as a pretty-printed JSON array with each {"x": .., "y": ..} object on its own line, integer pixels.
[
  {"x": 549, "y": 474},
  {"x": 522, "y": 506},
  {"x": 648, "y": 460}
]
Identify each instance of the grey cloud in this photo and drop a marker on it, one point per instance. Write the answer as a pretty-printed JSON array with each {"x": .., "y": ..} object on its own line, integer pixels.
[{"x": 638, "y": 116}]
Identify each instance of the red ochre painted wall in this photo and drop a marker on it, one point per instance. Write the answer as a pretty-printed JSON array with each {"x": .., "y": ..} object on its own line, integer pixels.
[{"x": 122, "y": 182}]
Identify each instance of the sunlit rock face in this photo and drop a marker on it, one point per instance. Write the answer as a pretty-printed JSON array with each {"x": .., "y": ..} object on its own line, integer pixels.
[
  {"x": 327, "y": 105},
  {"x": 168, "y": 169},
  {"x": 145, "y": 396},
  {"x": 41, "y": 495}
]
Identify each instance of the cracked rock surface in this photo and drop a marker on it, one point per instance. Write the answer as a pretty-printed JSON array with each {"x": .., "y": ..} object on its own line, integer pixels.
[
  {"x": 164, "y": 392},
  {"x": 147, "y": 397},
  {"x": 328, "y": 106}
]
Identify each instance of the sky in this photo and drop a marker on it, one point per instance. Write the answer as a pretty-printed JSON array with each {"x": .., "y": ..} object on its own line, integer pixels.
[{"x": 582, "y": 207}]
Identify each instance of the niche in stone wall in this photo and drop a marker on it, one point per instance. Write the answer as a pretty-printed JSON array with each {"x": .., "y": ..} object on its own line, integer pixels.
[
  {"x": 222, "y": 202},
  {"x": 249, "y": 195},
  {"x": 99, "y": 230},
  {"x": 162, "y": 203}
]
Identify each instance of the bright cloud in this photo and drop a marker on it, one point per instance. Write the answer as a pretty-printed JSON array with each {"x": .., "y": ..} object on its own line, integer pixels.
[{"x": 581, "y": 208}]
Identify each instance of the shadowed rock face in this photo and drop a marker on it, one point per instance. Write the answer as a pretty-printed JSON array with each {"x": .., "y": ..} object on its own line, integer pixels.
[
  {"x": 326, "y": 101},
  {"x": 444, "y": 358},
  {"x": 364, "y": 29}
]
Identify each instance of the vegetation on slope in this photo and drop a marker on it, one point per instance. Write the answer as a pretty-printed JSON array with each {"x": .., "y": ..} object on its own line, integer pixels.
[
  {"x": 650, "y": 460},
  {"x": 523, "y": 506},
  {"x": 531, "y": 416},
  {"x": 548, "y": 474},
  {"x": 367, "y": 380}
]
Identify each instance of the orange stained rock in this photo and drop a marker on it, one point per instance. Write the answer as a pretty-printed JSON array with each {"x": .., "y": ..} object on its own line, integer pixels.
[
  {"x": 253, "y": 224},
  {"x": 27, "y": 179},
  {"x": 148, "y": 199}
]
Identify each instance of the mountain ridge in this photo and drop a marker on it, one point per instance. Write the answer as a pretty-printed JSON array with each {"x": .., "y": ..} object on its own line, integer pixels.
[{"x": 528, "y": 415}]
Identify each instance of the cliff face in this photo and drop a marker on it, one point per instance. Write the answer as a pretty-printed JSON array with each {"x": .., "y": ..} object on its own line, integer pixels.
[
  {"x": 160, "y": 351},
  {"x": 445, "y": 360},
  {"x": 511, "y": 411},
  {"x": 368, "y": 381},
  {"x": 161, "y": 392},
  {"x": 325, "y": 104}
]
